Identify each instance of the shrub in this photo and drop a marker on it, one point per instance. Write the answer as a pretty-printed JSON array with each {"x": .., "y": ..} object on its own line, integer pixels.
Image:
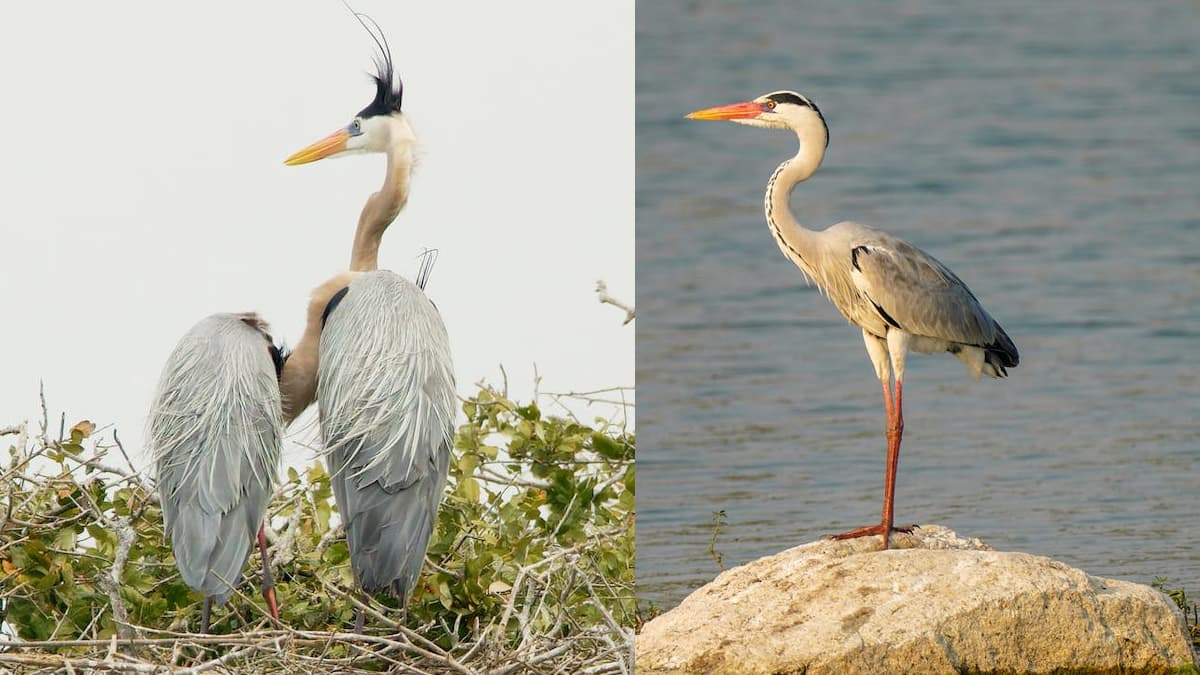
[{"x": 530, "y": 567}]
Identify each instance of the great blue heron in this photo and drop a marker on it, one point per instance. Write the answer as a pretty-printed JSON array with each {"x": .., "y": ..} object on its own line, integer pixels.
[
  {"x": 385, "y": 387},
  {"x": 215, "y": 433},
  {"x": 901, "y": 297}
]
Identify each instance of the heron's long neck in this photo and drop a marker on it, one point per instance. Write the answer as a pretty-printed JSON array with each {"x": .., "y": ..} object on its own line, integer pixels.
[
  {"x": 298, "y": 382},
  {"x": 796, "y": 241},
  {"x": 381, "y": 209}
]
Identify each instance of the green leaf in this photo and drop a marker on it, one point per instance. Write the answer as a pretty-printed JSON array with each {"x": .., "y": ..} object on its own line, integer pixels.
[
  {"x": 468, "y": 463},
  {"x": 607, "y": 447},
  {"x": 468, "y": 488},
  {"x": 64, "y": 540},
  {"x": 530, "y": 412}
]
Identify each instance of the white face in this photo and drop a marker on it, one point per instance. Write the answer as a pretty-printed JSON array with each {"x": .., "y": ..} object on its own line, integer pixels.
[{"x": 378, "y": 133}]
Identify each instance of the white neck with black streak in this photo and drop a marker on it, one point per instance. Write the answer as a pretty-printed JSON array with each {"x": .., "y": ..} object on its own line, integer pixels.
[{"x": 797, "y": 242}]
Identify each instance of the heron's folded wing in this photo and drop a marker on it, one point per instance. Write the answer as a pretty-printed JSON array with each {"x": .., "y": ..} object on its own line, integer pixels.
[
  {"x": 215, "y": 432},
  {"x": 920, "y": 295}
]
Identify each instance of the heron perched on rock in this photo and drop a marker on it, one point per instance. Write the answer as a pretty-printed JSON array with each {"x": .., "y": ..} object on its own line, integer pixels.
[
  {"x": 902, "y": 297},
  {"x": 385, "y": 385}
]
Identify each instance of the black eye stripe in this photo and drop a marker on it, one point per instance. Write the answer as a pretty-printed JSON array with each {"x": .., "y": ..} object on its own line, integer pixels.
[
  {"x": 789, "y": 97},
  {"x": 796, "y": 99}
]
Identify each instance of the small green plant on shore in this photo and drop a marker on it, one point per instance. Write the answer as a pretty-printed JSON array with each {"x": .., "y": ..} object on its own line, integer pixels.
[
  {"x": 717, "y": 521},
  {"x": 1191, "y": 609}
]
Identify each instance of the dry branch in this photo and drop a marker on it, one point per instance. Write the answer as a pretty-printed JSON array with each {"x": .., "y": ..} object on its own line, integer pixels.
[{"x": 606, "y": 299}]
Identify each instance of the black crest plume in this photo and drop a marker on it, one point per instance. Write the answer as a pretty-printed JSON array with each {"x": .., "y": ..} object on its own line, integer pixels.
[{"x": 389, "y": 89}]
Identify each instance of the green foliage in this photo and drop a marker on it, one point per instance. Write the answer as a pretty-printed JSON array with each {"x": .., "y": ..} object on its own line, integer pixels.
[
  {"x": 55, "y": 544},
  {"x": 529, "y": 490},
  {"x": 534, "y": 538}
]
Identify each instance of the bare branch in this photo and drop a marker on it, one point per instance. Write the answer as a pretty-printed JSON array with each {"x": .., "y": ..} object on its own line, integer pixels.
[{"x": 606, "y": 299}]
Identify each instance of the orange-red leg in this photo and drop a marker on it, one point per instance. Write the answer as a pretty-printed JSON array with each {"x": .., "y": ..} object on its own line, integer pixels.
[
  {"x": 268, "y": 584},
  {"x": 894, "y": 431}
]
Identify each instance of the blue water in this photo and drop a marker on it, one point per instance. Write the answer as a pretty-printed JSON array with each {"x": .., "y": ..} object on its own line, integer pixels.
[{"x": 1049, "y": 153}]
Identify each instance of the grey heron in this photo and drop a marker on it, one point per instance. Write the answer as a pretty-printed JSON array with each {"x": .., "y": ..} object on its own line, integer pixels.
[
  {"x": 902, "y": 298},
  {"x": 385, "y": 383}
]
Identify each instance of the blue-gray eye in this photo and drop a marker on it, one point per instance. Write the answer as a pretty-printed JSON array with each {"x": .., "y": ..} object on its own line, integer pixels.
[{"x": 355, "y": 127}]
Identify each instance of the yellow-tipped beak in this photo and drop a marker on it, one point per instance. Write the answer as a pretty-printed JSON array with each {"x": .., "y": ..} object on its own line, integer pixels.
[
  {"x": 733, "y": 111},
  {"x": 330, "y": 145}
]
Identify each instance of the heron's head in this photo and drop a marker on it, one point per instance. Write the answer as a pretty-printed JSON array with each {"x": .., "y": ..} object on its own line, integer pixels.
[
  {"x": 776, "y": 110},
  {"x": 379, "y": 127}
]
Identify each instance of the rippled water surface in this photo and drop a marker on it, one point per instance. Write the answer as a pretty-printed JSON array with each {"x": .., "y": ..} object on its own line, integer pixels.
[{"x": 1049, "y": 153}]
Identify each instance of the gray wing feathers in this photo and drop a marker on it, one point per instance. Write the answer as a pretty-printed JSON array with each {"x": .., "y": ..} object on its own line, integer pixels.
[
  {"x": 387, "y": 401},
  {"x": 215, "y": 434},
  {"x": 921, "y": 294},
  {"x": 388, "y": 527}
]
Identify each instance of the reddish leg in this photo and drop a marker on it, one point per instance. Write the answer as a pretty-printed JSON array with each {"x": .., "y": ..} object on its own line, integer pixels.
[
  {"x": 894, "y": 430},
  {"x": 268, "y": 585}
]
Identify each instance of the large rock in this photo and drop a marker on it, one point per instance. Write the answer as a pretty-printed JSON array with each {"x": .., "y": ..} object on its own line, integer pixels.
[{"x": 934, "y": 603}]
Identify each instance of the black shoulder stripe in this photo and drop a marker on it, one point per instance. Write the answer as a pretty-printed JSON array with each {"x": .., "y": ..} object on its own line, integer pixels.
[
  {"x": 332, "y": 304},
  {"x": 854, "y": 256},
  {"x": 278, "y": 357}
]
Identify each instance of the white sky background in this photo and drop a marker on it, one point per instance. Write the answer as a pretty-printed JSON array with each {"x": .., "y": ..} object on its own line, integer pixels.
[{"x": 142, "y": 185}]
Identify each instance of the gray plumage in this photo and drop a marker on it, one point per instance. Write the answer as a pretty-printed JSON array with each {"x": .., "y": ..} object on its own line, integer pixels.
[
  {"x": 877, "y": 281},
  {"x": 902, "y": 298},
  {"x": 882, "y": 283},
  {"x": 387, "y": 401},
  {"x": 215, "y": 433}
]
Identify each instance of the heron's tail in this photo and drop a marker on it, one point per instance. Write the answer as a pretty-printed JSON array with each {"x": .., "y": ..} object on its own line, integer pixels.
[
  {"x": 210, "y": 550},
  {"x": 1001, "y": 354},
  {"x": 388, "y": 527}
]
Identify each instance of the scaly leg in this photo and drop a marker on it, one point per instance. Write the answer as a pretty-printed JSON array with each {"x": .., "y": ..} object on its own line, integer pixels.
[
  {"x": 894, "y": 429},
  {"x": 268, "y": 583},
  {"x": 204, "y": 613},
  {"x": 895, "y": 432},
  {"x": 360, "y": 614}
]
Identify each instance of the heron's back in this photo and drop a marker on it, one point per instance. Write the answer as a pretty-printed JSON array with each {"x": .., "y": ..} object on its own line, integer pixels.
[
  {"x": 880, "y": 282},
  {"x": 215, "y": 434},
  {"x": 387, "y": 401}
]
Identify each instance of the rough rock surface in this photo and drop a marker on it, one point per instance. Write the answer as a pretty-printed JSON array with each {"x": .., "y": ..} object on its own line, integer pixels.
[{"x": 934, "y": 603}]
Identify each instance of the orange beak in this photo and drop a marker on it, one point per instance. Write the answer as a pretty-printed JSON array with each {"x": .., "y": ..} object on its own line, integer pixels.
[
  {"x": 733, "y": 111},
  {"x": 330, "y": 145}
]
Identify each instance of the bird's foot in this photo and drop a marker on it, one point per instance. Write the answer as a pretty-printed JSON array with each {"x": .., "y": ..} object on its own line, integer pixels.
[{"x": 871, "y": 530}]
